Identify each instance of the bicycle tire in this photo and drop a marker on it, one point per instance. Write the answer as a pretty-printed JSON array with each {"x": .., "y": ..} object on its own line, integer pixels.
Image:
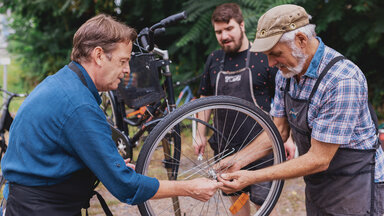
[
  {"x": 151, "y": 158},
  {"x": 111, "y": 111},
  {"x": 108, "y": 105}
]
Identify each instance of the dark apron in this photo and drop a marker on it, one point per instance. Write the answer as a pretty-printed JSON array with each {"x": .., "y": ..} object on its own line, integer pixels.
[
  {"x": 63, "y": 199},
  {"x": 238, "y": 84},
  {"x": 241, "y": 130},
  {"x": 66, "y": 198},
  {"x": 346, "y": 187}
]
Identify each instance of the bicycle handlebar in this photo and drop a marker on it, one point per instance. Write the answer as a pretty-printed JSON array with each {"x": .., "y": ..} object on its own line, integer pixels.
[
  {"x": 13, "y": 94},
  {"x": 169, "y": 20},
  {"x": 159, "y": 31},
  {"x": 146, "y": 35}
]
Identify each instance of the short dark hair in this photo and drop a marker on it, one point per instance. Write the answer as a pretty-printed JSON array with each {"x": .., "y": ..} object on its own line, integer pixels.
[
  {"x": 226, "y": 12},
  {"x": 101, "y": 30}
]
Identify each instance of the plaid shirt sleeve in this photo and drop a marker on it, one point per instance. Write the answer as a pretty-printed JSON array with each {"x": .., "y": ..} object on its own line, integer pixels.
[
  {"x": 339, "y": 112},
  {"x": 278, "y": 106}
]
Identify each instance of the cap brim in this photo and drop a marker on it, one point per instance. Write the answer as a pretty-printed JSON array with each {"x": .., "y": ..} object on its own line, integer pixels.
[{"x": 265, "y": 44}]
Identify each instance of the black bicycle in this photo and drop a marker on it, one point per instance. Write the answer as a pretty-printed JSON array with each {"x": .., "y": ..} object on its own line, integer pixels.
[
  {"x": 140, "y": 101},
  {"x": 169, "y": 132}
]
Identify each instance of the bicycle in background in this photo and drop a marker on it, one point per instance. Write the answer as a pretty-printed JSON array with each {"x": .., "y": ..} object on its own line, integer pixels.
[
  {"x": 6, "y": 120},
  {"x": 147, "y": 95}
]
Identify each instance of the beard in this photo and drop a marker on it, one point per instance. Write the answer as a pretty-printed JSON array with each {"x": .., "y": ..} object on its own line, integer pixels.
[
  {"x": 237, "y": 44},
  {"x": 301, "y": 59}
]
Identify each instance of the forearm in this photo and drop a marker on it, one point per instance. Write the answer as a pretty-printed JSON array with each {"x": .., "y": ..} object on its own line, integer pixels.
[
  {"x": 283, "y": 127},
  {"x": 297, "y": 167},
  {"x": 262, "y": 145},
  {"x": 204, "y": 116},
  {"x": 317, "y": 159},
  {"x": 201, "y": 189},
  {"x": 171, "y": 189},
  {"x": 257, "y": 149}
]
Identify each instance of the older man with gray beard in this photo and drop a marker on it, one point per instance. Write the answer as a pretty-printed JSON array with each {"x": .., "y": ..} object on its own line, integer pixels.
[{"x": 322, "y": 98}]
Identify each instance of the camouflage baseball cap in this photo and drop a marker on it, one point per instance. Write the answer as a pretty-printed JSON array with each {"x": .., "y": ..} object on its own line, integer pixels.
[{"x": 275, "y": 22}]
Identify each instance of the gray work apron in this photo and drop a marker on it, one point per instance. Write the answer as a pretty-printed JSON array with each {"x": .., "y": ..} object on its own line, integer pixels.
[
  {"x": 238, "y": 84},
  {"x": 241, "y": 130},
  {"x": 346, "y": 187}
]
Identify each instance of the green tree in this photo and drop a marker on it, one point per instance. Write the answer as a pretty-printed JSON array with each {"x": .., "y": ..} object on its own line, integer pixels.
[
  {"x": 352, "y": 27},
  {"x": 44, "y": 29},
  {"x": 199, "y": 40},
  {"x": 355, "y": 29}
]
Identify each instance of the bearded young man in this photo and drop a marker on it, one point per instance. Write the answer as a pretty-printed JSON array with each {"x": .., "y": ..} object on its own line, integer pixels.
[
  {"x": 236, "y": 71},
  {"x": 322, "y": 98}
]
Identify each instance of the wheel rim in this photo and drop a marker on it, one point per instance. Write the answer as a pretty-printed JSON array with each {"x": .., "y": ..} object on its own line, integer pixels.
[{"x": 190, "y": 167}]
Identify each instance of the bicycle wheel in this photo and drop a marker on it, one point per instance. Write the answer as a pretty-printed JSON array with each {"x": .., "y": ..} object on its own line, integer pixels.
[
  {"x": 108, "y": 105},
  {"x": 168, "y": 154},
  {"x": 115, "y": 119},
  {"x": 3, "y": 148}
]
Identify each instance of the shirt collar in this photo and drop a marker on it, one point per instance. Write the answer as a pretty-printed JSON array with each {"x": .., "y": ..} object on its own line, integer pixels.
[
  {"x": 315, "y": 62},
  {"x": 91, "y": 86}
]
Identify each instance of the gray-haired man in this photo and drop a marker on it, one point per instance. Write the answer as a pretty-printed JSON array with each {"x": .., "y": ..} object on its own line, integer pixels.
[{"x": 321, "y": 97}]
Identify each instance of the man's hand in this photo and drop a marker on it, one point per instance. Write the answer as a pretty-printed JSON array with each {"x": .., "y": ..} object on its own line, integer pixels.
[
  {"x": 199, "y": 144},
  {"x": 129, "y": 164},
  {"x": 202, "y": 188},
  {"x": 290, "y": 149},
  {"x": 228, "y": 164},
  {"x": 235, "y": 181}
]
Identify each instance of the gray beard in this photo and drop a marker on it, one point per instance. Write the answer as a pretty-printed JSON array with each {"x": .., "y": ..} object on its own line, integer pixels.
[{"x": 301, "y": 59}]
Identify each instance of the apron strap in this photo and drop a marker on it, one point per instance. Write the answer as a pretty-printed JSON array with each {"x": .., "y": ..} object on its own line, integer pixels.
[
  {"x": 248, "y": 58},
  {"x": 103, "y": 204},
  {"x": 222, "y": 62},
  {"x": 323, "y": 73},
  {"x": 77, "y": 70},
  {"x": 246, "y": 63}
]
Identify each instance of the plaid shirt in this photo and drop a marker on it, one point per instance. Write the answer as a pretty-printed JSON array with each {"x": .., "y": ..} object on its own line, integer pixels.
[{"x": 338, "y": 112}]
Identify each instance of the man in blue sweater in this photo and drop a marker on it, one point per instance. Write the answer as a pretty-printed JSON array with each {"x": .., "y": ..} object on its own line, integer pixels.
[{"x": 60, "y": 141}]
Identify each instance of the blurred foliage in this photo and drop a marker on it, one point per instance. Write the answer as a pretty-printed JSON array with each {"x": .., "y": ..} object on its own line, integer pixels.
[
  {"x": 355, "y": 28},
  {"x": 352, "y": 27},
  {"x": 44, "y": 29},
  {"x": 199, "y": 41}
]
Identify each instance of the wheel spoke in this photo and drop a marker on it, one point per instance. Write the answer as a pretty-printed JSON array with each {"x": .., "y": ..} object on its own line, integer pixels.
[{"x": 239, "y": 119}]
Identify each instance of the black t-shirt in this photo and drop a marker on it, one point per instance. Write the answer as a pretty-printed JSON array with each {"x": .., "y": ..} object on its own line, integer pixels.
[{"x": 263, "y": 76}]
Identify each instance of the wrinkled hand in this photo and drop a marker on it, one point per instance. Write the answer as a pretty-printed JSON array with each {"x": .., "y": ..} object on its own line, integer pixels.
[
  {"x": 202, "y": 188},
  {"x": 129, "y": 164},
  {"x": 228, "y": 164},
  {"x": 290, "y": 149},
  {"x": 199, "y": 144},
  {"x": 235, "y": 181}
]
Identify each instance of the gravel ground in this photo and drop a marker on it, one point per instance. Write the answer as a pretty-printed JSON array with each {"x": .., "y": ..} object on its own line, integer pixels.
[{"x": 291, "y": 202}]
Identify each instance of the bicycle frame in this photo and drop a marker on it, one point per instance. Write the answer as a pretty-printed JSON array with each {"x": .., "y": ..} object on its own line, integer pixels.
[{"x": 150, "y": 119}]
